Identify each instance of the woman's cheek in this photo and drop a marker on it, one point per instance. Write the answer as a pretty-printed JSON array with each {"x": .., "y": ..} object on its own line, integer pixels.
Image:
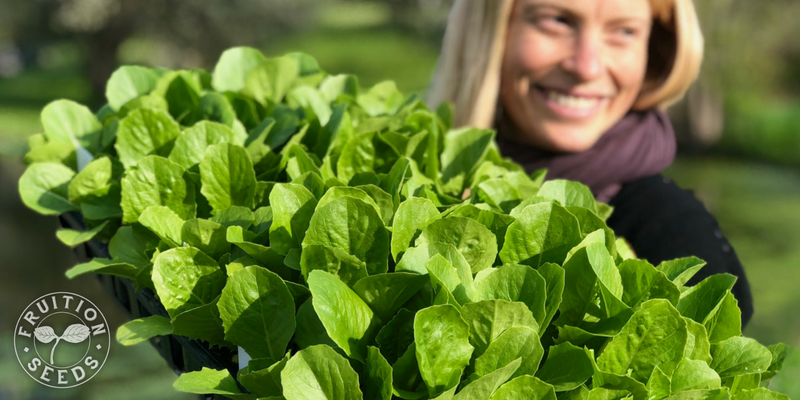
[{"x": 533, "y": 55}]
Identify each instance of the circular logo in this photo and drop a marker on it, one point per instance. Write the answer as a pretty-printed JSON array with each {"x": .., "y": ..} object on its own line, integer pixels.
[{"x": 62, "y": 340}]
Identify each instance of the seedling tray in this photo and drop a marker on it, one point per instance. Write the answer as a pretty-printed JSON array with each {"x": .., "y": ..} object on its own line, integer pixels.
[{"x": 181, "y": 353}]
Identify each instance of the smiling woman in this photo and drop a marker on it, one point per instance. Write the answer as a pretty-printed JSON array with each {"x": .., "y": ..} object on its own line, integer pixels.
[
  {"x": 572, "y": 69},
  {"x": 580, "y": 88},
  {"x": 653, "y": 45}
]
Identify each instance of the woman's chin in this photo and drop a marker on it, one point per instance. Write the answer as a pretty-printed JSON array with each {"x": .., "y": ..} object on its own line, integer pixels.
[
  {"x": 559, "y": 137},
  {"x": 569, "y": 142}
]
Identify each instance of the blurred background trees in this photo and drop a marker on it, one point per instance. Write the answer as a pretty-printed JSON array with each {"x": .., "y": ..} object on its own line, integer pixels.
[
  {"x": 739, "y": 129},
  {"x": 749, "y": 84},
  {"x": 169, "y": 33}
]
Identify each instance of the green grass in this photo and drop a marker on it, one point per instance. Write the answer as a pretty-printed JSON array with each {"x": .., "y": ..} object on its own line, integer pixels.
[
  {"x": 16, "y": 124},
  {"x": 37, "y": 87},
  {"x": 23, "y": 97}
]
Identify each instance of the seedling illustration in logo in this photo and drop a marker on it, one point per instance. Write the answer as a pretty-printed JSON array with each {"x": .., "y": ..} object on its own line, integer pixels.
[
  {"x": 62, "y": 360},
  {"x": 75, "y": 333}
]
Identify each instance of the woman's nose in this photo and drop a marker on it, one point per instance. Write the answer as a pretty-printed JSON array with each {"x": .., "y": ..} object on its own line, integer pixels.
[{"x": 584, "y": 61}]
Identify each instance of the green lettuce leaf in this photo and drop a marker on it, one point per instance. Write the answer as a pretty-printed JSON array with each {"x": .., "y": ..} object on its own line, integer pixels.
[
  {"x": 43, "y": 187},
  {"x": 543, "y": 232},
  {"x": 156, "y": 181},
  {"x": 443, "y": 347},
  {"x": 257, "y": 312},
  {"x": 319, "y": 373},
  {"x": 227, "y": 176},
  {"x": 140, "y": 329},
  {"x": 348, "y": 320}
]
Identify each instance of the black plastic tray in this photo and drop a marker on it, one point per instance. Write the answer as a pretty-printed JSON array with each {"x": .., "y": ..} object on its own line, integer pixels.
[{"x": 181, "y": 353}]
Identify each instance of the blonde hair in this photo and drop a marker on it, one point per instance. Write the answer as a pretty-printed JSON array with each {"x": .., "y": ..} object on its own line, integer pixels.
[{"x": 468, "y": 71}]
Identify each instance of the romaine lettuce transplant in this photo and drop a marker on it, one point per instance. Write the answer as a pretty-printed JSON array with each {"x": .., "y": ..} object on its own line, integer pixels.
[{"x": 357, "y": 247}]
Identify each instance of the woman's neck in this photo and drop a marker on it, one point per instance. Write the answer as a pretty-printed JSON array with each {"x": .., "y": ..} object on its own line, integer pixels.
[{"x": 640, "y": 144}]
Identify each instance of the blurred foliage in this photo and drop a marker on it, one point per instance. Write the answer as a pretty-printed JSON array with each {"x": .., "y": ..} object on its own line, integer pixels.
[
  {"x": 763, "y": 128},
  {"x": 752, "y": 62},
  {"x": 207, "y": 26},
  {"x": 183, "y": 34},
  {"x": 750, "y": 46},
  {"x": 189, "y": 32}
]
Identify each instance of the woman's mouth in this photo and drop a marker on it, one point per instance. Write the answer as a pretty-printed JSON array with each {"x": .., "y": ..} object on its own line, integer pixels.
[{"x": 569, "y": 105}]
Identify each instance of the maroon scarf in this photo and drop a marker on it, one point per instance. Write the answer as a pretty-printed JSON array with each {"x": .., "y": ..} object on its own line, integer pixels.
[{"x": 639, "y": 145}]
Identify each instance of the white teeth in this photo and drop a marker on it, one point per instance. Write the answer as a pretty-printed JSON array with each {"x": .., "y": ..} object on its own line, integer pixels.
[{"x": 578, "y": 103}]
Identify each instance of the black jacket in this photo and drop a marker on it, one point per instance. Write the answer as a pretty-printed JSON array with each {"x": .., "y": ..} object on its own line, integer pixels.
[{"x": 662, "y": 222}]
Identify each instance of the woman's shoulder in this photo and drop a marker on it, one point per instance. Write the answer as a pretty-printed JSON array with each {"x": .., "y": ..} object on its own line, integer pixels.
[
  {"x": 654, "y": 197},
  {"x": 662, "y": 222},
  {"x": 653, "y": 211}
]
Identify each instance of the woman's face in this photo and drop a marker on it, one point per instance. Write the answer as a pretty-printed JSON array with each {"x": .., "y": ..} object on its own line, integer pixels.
[{"x": 573, "y": 68}]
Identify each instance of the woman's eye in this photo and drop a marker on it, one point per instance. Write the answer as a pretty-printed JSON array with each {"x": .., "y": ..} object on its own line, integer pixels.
[
  {"x": 624, "y": 35},
  {"x": 628, "y": 31},
  {"x": 558, "y": 20},
  {"x": 553, "y": 23}
]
